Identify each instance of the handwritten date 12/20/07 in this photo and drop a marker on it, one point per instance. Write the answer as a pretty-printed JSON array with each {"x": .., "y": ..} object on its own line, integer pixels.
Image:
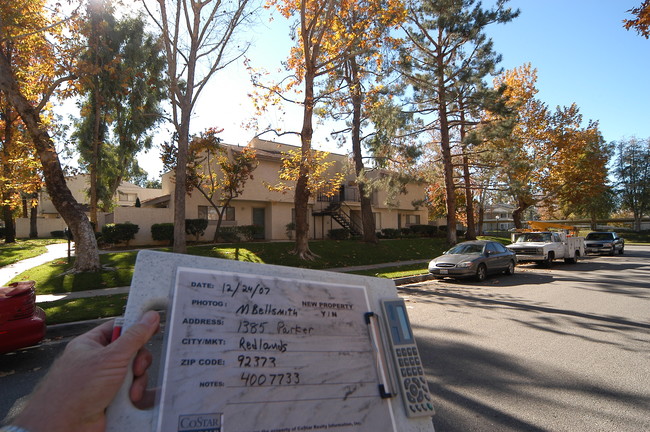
[
  {"x": 249, "y": 290},
  {"x": 274, "y": 379}
]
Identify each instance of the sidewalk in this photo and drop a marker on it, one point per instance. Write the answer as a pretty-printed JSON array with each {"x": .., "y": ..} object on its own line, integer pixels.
[{"x": 54, "y": 251}]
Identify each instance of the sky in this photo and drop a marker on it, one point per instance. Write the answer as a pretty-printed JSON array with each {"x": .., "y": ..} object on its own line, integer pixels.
[{"x": 580, "y": 49}]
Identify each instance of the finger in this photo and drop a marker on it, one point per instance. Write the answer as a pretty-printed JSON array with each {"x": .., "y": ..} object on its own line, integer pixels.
[
  {"x": 142, "y": 361},
  {"x": 138, "y": 387},
  {"x": 137, "y": 335}
]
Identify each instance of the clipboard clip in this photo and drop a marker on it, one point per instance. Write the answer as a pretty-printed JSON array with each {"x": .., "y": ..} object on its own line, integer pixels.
[{"x": 383, "y": 373}]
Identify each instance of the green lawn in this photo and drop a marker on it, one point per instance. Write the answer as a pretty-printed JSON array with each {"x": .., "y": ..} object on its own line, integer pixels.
[
  {"x": 24, "y": 249},
  {"x": 52, "y": 277}
]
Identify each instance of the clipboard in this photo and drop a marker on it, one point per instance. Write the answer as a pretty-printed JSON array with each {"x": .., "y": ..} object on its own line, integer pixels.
[{"x": 261, "y": 348}]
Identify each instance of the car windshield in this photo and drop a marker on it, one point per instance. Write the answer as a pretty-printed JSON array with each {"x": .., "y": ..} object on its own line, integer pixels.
[
  {"x": 464, "y": 249},
  {"x": 599, "y": 236},
  {"x": 534, "y": 237}
]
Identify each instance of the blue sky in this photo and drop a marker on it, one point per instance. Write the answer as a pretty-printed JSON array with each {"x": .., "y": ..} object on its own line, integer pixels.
[
  {"x": 583, "y": 54},
  {"x": 580, "y": 49}
]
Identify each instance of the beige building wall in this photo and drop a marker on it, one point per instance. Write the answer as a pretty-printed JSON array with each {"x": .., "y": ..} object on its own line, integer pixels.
[{"x": 257, "y": 205}]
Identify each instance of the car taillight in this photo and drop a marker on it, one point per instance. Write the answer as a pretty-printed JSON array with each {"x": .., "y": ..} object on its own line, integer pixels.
[
  {"x": 25, "y": 306},
  {"x": 17, "y": 301}
]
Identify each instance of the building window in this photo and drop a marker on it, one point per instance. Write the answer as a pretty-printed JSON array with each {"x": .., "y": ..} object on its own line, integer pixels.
[
  {"x": 412, "y": 219},
  {"x": 210, "y": 213},
  {"x": 127, "y": 196}
]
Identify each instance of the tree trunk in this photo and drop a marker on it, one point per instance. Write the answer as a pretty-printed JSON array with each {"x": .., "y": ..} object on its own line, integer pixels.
[
  {"x": 7, "y": 212},
  {"x": 302, "y": 193},
  {"x": 445, "y": 146},
  {"x": 367, "y": 218},
  {"x": 10, "y": 227},
  {"x": 87, "y": 256},
  {"x": 33, "y": 222},
  {"x": 470, "y": 234}
]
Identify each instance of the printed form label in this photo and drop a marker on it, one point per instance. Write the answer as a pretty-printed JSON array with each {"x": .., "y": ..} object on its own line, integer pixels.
[{"x": 249, "y": 353}]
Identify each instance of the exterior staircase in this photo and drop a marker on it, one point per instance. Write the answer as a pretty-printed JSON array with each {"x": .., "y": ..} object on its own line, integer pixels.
[{"x": 336, "y": 212}]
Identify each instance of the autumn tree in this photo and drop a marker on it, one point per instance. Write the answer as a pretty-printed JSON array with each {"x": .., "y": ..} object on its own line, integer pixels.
[
  {"x": 641, "y": 22},
  {"x": 219, "y": 173},
  {"x": 355, "y": 88},
  {"x": 632, "y": 172},
  {"x": 122, "y": 89},
  {"x": 325, "y": 176},
  {"x": 198, "y": 41},
  {"x": 38, "y": 38},
  {"x": 550, "y": 158},
  {"x": 324, "y": 42},
  {"x": 446, "y": 49}
]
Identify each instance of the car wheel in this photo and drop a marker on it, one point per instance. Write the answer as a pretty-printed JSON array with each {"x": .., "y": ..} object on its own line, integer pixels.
[
  {"x": 621, "y": 251},
  {"x": 548, "y": 262},
  {"x": 481, "y": 273},
  {"x": 511, "y": 268}
]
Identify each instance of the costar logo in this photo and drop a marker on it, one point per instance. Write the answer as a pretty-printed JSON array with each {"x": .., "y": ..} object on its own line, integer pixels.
[{"x": 200, "y": 423}]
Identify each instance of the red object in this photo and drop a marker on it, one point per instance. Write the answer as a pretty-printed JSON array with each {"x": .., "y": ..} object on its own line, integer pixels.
[{"x": 22, "y": 323}]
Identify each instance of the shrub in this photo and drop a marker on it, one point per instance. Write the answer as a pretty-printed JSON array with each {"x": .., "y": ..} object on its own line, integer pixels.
[
  {"x": 228, "y": 234},
  {"x": 196, "y": 227},
  {"x": 423, "y": 230},
  {"x": 57, "y": 234},
  {"x": 338, "y": 234},
  {"x": 249, "y": 232},
  {"x": 119, "y": 233},
  {"x": 163, "y": 232},
  {"x": 290, "y": 229},
  {"x": 390, "y": 233}
]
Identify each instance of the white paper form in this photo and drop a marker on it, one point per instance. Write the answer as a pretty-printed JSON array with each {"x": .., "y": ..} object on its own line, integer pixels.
[{"x": 250, "y": 353}]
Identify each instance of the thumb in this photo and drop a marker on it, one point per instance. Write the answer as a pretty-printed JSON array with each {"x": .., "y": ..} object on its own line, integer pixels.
[{"x": 137, "y": 335}]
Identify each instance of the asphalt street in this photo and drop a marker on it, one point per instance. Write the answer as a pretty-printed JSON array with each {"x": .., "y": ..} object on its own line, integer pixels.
[{"x": 561, "y": 349}]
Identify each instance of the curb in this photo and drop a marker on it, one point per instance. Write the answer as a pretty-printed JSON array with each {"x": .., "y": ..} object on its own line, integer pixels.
[
  {"x": 413, "y": 279},
  {"x": 71, "y": 329}
]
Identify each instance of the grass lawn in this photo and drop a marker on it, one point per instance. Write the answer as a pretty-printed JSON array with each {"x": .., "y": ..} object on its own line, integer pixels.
[
  {"x": 52, "y": 277},
  {"x": 63, "y": 311},
  {"x": 23, "y": 249}
]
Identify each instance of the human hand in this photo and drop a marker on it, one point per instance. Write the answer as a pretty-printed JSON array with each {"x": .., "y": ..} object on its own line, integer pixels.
[{"x": 81, "y": 384}]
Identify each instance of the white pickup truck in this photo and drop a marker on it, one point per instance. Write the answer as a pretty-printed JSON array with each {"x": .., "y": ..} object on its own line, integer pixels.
[{"x": 544, "y": 247}]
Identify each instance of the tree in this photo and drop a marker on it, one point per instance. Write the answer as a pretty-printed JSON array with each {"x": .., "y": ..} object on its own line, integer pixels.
[
  {"x": 322, "y": 178},
  {"x": 642, "y": 21},
  {"x": 522, "y": 155},
  {"x": 632, "y": 171},
  {"x": 549, "y": 159},
  {"x": 19, "y": 168},
  {"x": 323, "y": 44},
  {"x": 123, "y": 91},
  {"x": 197, "y": 37},
  {"x": 354, "y": 88},
  {"x": 37, "y": 38},
  {"x": 218, "y": 173},
  {"x": 447, "y": 49}
]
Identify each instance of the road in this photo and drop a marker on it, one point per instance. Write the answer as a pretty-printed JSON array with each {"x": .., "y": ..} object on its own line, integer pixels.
[
  {"x": 560, "y": 349},
  {"x": 565, "y": 349}
]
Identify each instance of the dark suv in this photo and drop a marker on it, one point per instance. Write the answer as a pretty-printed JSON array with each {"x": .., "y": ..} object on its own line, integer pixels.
[{"x": 604, "y": 242}]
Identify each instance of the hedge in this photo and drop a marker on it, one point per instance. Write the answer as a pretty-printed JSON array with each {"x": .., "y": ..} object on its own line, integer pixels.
[
  {"x": 196, "y": 227},
  {"x": 163, "y": 232},
  {"x": 119, "y": 233}
]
